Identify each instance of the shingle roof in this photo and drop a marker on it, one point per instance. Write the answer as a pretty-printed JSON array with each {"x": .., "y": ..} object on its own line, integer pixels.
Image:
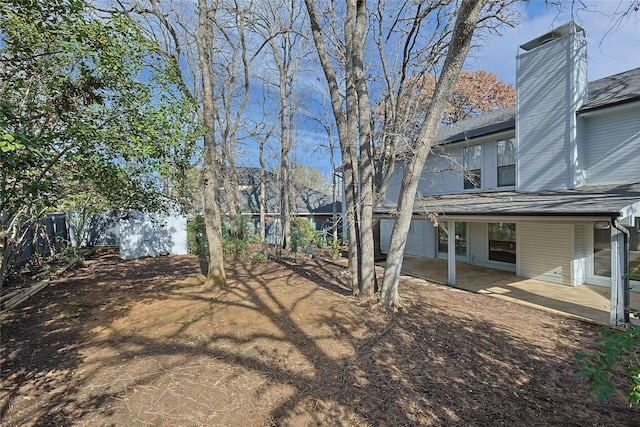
[
  {"x": 486, "y": 124},
  {"x": 307, "y": 199},
  {"x": 613, "y": 90},
  {"x": 584, "y": 201}
]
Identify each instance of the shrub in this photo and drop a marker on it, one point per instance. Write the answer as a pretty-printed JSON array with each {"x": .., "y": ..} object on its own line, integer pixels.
[
  {"x": 303, "y": 236},
  {"x": 237, "y": 237},
  {"x": 197, "y": 236},
  {"x": 619, "y": 350},
  {"x": 334, "y": 249}
]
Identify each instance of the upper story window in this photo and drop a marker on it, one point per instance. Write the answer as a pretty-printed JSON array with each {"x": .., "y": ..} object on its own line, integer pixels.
[
  {"x": 506, "y": 163},
  {"x": 472, "y": 163}
]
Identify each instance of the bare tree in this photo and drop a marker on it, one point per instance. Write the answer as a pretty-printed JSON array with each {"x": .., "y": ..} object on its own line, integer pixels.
[
  {"x": 468, "y": 16},
  {"x": 327, "y": 124},
  {"x": 262, "y": 133},
  {"x": 212, "y": 43},
  {"x": 412, "y": 40},
  {"x": 176, "y": 29},
  {"x": 232, "y": 93},
  {"x": 216, "y": 276},
  {"x": 281, "y": 24},
  {"x": 417, "y": 50},
  {"x": 353, "y": 123},
  {"x": 207, "y": 42}
]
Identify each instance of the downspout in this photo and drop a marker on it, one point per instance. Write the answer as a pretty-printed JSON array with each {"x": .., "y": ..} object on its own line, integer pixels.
[{"x": 625, "y": 277}]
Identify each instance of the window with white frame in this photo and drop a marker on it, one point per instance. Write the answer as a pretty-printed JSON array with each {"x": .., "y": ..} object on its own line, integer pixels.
[
  {"x": 506, "y": 163},
  {"x": 472, "y": 163}
]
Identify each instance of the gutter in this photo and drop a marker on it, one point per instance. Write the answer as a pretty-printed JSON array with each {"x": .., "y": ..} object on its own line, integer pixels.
[{"x": 625, "y": 277}]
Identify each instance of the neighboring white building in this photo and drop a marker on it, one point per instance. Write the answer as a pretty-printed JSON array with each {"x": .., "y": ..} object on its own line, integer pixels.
[
  {"x": 548, "y": 189},
  {"x": 149, "y": 234}
]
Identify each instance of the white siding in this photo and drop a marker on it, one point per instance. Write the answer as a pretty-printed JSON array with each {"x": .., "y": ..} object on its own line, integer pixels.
[
  {"x": 490, "y": 165},
  {"x": 442, "y": 173},
  {"x": 147, "y": 234},
  {"x": 430, "y": 246},
  {"x": 549, "y": 91},
  {"x": 477, "y": 243},
  {"x": 581, "y": 151},
  {"x": 545, "y": 252},
  {"x": 581, "y": 253},
  {"x": 612, "y": 147},
  {"x": 393, "y": 188},
  {"x": 420, "y": 240},
  {"x": 386, "y": 226},
  {"x": 415, "y": 239}
]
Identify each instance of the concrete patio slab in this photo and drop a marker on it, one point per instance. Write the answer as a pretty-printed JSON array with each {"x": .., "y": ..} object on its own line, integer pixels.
[{"x": 586, "y": 302}]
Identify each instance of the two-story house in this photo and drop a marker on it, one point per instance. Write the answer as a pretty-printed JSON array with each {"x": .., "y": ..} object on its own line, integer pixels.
[{"x": 549, "y": 188}]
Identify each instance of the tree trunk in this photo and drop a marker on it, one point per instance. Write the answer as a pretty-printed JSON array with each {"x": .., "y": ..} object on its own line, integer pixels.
[
  {"x": 351, "y": 202},
  {"x": 346, "y": 135},
  {"x": 285, "y": 200},
  {"x": 367, "y": 284},
  {"x": 458, "y": 48},
  {"x": 229, "y": 180},
  {"x": 350, "y": 151},
  {"x": 334, "y": 192},
  {"x": 286, "y": 132},
  {"x": 216, "y": 276},
  {"x": 263, "y": 192}
]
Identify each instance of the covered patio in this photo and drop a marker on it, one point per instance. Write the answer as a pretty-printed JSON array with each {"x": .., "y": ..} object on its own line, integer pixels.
[{"x": 584, "y": 301}]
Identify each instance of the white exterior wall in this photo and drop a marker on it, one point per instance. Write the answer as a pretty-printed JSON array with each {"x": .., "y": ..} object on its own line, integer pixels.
[
  {"x": 490, "y": 165},
  {"x": 612, "y": 146},
  {"x": 549, "y": 91},
  {"x": 421, "y": 240},
  {"x": 477, "y": 243},
  {"x": 430, "y": 244},
  {"x": 386, "y": 226},
  {"x": 393, "y": 187},
  {"x": 144, "y": 235},
  {"x": 545, "y": 252},
  {"x": 415, "y": 239},
  {"x": 442, "y": 173},
  {"x": 580, "y": 253}
]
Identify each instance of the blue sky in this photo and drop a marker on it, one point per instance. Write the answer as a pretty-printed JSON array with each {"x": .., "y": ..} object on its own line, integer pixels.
[{"x": 612, "y": 49}]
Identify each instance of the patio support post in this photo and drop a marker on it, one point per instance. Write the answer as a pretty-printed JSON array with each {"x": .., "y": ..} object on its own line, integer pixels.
[
  {"x": 451, "y": 256},
  {"x": 617, "y": 280}
]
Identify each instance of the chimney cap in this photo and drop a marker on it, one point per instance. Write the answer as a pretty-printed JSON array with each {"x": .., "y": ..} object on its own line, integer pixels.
[{"x": 568, "y": 28}]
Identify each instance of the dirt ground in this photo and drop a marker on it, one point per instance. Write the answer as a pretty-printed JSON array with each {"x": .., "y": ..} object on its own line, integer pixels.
[{"x": 125, "y": 343}]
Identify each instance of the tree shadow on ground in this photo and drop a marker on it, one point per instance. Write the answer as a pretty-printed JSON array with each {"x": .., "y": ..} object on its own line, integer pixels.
[{"x": 284, "y": 345}]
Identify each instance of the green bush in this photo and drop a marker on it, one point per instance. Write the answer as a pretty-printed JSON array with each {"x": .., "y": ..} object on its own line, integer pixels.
[
  {"x": 257, "y": 256},
  {"x": 237, "y": 237},
  {"x": 619, "y": 351},
  {"x": 334, "y": 249},
  {"x": 197, "y": 236},
  {"x": 303, "y": 236}
]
